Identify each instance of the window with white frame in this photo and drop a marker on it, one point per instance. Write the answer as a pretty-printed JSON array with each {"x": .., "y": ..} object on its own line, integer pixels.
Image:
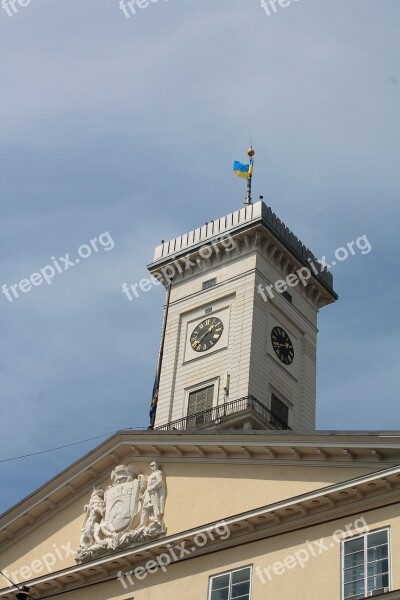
[
  {"x": 366, "y": 565},
  {"x": 235, "y": 585},
  {"x": 199, "y": 402}
]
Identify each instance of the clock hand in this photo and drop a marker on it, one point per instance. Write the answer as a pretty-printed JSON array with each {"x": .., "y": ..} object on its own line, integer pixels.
[
  {"x": 197, "y": 342},
  {"x": 203, "y": 336}
]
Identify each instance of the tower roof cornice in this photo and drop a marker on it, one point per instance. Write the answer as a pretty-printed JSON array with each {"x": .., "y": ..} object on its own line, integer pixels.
[{"x": 233, "y": 224}]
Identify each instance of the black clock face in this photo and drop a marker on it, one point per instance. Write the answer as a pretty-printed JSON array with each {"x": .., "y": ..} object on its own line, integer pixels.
[
  {"x": 282, "y": 345},
  {"x": 206, "y": 334}
]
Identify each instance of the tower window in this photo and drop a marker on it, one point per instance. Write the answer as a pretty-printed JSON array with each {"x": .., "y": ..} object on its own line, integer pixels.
[
  {"x": 280, "y": 412},
  {"x": 199, "y": 402},
  {"x": 209, "y": 283}
]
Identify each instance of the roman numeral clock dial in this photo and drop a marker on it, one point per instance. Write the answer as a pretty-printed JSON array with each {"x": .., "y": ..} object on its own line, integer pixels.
[
  {"x": 282, "y": 345},
  {"x": 206, "y": 334}
]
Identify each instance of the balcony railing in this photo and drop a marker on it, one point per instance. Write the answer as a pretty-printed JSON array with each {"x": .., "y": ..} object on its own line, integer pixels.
[{"x": 224, "y": 410}]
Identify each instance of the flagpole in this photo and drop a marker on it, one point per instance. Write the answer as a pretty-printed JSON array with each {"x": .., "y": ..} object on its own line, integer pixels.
[
  {"x": 251, "y": 154},
  {"x": 161, "y": 354}
]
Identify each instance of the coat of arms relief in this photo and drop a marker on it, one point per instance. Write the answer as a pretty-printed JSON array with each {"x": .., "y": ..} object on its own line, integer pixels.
[{"x": 130, "y": 511}]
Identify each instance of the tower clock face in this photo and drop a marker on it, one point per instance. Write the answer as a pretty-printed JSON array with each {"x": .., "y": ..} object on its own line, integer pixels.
[
  {"x": 282, "y": 345},
  {"x": 206, "y": 334}
]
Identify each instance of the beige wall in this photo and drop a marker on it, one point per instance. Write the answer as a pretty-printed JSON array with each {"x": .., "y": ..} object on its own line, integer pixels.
[
  {"x": 320, "y": 577},
  {"x": 197, "y": 494}
]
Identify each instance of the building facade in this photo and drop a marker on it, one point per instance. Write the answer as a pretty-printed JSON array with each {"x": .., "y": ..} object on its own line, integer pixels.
[{"x": 233, "y": 495}]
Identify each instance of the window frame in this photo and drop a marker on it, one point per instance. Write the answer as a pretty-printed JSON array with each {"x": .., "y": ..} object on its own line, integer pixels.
[
  {"x": 364, "y": 536},
  {"x": 208, "y": 284},
  {"x": 285, "y": 402},
  {"x": 229, "y": 572},
  {"x": 215, "y": 381},
  {"x": 209, "y": 391}
]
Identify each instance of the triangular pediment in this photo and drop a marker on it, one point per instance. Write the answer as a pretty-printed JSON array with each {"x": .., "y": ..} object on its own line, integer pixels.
[{"x": 255, "y": 478}]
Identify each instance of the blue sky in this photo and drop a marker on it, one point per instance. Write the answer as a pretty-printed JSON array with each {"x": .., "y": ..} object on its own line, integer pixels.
[{"x": 130, "y": 126}]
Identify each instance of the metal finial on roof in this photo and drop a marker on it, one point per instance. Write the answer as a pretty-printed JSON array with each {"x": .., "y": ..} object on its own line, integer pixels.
[{"x": 251, "y": 152}]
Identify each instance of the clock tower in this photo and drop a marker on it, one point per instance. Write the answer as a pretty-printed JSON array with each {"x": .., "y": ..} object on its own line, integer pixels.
[{"x": 241, "y": 327}]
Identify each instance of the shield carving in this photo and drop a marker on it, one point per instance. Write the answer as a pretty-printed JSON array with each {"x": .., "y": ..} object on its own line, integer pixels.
[{"x": 122, "y": 506}]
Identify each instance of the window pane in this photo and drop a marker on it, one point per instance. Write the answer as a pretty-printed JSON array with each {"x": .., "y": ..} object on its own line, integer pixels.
[
  {"x": 220, "y": 582},
  {"x": 240, "y": 589},
  {"x": 242, "y": 575},
  {"x": 354, "y": 560},
  {"x": 354, "y": 590},
  {"x": 378, "y": 582},
  {"x": 354, "y": 546},
  {"x": 220, "y": 594},
  {"x": 377, "y": 552},
  {"x": 378, "y": 567},
  {"x": 354, "y": 574},
  {"x": 377, "y": 539}
]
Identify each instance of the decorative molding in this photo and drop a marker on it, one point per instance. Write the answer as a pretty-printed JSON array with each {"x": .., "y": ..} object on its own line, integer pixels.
[
  {"x": 376, "y": 453},
  {"x": 30, "y": 519},
  {"x": 270, "y": 452},
  {"x": 321, "y": 453}
]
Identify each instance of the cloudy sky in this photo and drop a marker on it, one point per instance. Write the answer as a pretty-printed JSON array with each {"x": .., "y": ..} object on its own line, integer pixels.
[{"x": 129, "y": 125}]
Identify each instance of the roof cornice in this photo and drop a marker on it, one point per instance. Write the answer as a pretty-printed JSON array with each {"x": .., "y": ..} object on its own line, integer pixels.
[{"x": 368, "y": 450}]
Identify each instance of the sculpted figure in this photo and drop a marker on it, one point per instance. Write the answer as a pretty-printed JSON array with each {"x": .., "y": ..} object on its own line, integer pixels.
[
  {"x": 94, "y": 514},
  {"x": 153, "y": 498},
  {"x": 122, "y": 474}
]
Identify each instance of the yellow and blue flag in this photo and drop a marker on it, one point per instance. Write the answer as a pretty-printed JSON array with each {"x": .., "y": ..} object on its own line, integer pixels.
[
  {"x": 242, "y": 170},
  {"x": 154, "y": 402}
]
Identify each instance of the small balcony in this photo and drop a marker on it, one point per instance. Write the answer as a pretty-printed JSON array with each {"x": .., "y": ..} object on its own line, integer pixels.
[{"x": 244, "y": 413}]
